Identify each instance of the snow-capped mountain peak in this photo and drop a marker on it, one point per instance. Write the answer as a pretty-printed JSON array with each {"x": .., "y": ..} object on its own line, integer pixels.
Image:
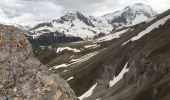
[
  {"x": 139, "y": 7},
  {"x": 73, "y": 24},
  {"x": 130, "y": 15}
]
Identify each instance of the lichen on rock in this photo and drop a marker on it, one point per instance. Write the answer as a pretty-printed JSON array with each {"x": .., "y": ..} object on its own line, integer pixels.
[{"x": 22, "y": 76}]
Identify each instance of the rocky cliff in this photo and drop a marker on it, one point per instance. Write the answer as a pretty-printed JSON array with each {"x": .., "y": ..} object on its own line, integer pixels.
[{"x": 22, "y": 76}]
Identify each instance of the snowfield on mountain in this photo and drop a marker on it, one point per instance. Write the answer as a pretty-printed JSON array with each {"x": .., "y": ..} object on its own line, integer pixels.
[{"x": 75, "y": 24}]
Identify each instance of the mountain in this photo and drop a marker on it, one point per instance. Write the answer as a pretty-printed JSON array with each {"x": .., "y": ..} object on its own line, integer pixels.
[
  {"x": 130, "y": 15},
  {"x": 24, "y": 77},
  {"x": 75, "y": 24},
  {"x": 131, "y": 63}
]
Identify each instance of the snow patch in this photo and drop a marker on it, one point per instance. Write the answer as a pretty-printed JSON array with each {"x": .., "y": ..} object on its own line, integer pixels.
[
  {"x": 119, "y": 77},
  {"x": 60, "y": 66},
  {"x": 112, "y": 36},
  {"x": 65, "y": 70},
  {"x": 60, "y": 49},
  {"x": 126, "y": 42},
  {"x": 92, "y": 46},
  {"x": 88, "y": 93},
  {"x": 70, "y": 78}
]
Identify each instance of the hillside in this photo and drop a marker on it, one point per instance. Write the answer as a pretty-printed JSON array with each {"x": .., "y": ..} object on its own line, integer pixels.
[{"x": 130, "y": 64}]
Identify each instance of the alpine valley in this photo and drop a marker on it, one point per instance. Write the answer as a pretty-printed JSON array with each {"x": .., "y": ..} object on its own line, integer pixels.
[
  {"x": 123, "y": 55},
  {"x": 130, "y": 63}
]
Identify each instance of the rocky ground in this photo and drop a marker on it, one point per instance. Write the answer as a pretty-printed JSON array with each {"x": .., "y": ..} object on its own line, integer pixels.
[{"x": 24, "y": 77}]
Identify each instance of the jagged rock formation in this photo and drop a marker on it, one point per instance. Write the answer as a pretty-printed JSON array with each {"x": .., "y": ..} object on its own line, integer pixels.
[{"x": 22, "y": 76}]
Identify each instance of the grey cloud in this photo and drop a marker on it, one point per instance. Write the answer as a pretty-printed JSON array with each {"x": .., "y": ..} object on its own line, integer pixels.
[
  {"x": 46, "y": 10},
  {"x": 85, "y": 6},
  {"x": 78, "y": 3},
  {"x": 40, "y": 10}
]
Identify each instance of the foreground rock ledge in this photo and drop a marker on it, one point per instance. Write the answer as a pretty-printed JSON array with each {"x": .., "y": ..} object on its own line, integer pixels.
[{"x": 22, "y": 76}]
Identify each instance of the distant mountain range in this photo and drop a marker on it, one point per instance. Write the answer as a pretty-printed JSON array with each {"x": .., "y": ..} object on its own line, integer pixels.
[{"x": 75, "y": 24}]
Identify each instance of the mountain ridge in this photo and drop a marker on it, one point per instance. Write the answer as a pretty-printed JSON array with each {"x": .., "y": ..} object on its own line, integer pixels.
[{"x": 78, "y": 25}]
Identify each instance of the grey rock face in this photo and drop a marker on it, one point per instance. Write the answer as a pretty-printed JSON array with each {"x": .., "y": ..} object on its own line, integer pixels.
[
  {"x": 84, "y": 19},
  {"x": 23, "y": 77}
]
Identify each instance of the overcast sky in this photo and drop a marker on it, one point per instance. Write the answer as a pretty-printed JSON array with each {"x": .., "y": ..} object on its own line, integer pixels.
[{"x": 31, "y": 11}]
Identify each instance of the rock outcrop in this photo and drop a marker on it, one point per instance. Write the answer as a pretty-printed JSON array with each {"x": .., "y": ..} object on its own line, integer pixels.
[{"x": 22, "y": 76}]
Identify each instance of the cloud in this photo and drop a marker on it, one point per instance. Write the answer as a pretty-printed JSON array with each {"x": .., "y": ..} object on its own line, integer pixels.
[
  {"x": 85, "y": 6},
  {"x": 100, "y": 7},
  {"x": 22, "y": 11},
  {"x": 34, "y": 11},
  {"x": 160, "y": 5},
  {"x": 88, "y": 6}
]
